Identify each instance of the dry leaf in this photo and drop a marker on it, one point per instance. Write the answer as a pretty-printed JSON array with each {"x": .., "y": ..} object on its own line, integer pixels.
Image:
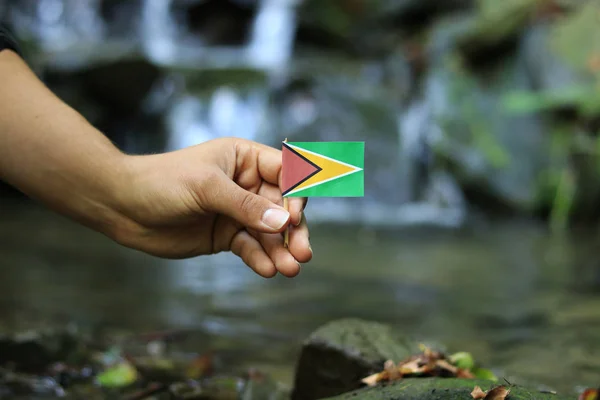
[
  {"x": 589, "y": 394},
  {"x": 465, "y": 373},
  {"x": 447, "y": 366},
  {"x": 428, "y": 363},
  {"x": 200, "y": 366},
  {"x": 497, "y": 393},
  {"x": 392, "y": 371},
  {"x": 371, "y": 380},
  {"x": 477, "y": 393}
]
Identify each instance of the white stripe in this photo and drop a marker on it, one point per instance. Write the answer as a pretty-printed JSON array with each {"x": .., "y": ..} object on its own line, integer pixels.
[{"x": 326, "y": 180}]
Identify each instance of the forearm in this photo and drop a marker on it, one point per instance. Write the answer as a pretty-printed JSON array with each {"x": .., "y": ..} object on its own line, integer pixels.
[{"x": 51, "y": 153}]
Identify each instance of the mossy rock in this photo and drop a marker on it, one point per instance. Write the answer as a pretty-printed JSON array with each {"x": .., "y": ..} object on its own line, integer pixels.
[
  {"x": 497, "y": 22},
  {"x": 440, "y": 388},
  {"x": 339, "y": 354}
]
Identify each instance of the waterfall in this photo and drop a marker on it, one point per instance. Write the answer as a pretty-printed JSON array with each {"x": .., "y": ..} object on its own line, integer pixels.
[
  {"x": 157, "y": 31},
  {"x": 226, "y": 111},
  {"x": 272, "y": 37},
  {"x": 59, "y": 24}
]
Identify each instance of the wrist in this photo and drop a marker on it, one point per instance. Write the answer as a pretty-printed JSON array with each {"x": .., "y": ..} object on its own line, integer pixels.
[{"x": 99, "y": 202}]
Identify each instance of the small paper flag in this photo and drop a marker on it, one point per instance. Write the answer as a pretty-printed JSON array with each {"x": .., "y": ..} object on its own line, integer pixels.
[{"x": 323, "y": 169}]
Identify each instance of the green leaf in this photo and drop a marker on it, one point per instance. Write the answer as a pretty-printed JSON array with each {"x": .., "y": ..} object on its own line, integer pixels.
[
  {"x": 122, "y": 374},
  {"x": 482, "y": 373},
  {"x": 462, "y": 360}
]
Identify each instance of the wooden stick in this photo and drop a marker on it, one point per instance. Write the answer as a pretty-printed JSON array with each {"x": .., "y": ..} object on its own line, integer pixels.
[{"x": 286, "y": 234}]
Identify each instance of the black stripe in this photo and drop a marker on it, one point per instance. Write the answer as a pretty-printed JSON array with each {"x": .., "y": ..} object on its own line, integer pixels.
[{"x": 319, "y": 169}]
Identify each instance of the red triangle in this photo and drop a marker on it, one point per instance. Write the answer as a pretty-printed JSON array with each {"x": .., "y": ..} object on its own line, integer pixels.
[{"x": 296, "y": 169}]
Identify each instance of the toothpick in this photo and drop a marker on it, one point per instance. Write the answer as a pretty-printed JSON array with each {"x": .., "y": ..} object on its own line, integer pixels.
[{"x": 286, "y": 234}]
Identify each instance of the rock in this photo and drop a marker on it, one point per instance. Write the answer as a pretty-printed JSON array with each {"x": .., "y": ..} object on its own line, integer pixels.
[
  {"x": 494, "y": 153},
  {"x": 33, "y": 352},
  {"x": 367, "y": 26},
  {"x": 498, "y": 24},
  {"x": 219, "y": 22},
  {"x": 440, "y": 388},
  {"x": 339, "y": 354},
  {"x": 259, "y": 386}
]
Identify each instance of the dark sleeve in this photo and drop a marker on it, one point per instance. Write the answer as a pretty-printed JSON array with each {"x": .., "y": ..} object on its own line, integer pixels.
[{"x": 7, "y": 41}]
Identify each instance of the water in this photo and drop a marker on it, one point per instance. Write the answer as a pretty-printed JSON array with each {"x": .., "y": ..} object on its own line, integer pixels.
[{"x": 517, "y": 299}]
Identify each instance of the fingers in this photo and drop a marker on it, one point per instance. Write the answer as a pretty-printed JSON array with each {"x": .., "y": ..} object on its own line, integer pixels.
[
  {"x": 252, "y": 156},
  {"x": 252, "y": 253},
  {"x": 267, "y": 159},
  {"x": 281, "y": 257},
  {"x": 287, "y": 259},
  {"x": 295, "y": 204},
  {"x": 254, "y": 211},
  {"x": 296, "y": 207},
  {"x": 299, "y": 245}
]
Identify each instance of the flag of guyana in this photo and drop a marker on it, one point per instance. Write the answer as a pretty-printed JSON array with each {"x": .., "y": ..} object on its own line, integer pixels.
[{"x": 323, "y": 169}]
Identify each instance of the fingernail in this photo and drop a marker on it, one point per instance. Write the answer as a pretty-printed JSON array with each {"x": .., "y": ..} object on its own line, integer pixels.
[
  {"x": 299, "y": 218},
  {"x": 275, "y": 218}
]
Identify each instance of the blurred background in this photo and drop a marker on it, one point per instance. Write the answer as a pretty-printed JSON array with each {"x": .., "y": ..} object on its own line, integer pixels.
[{"x": 479, "y": 224}]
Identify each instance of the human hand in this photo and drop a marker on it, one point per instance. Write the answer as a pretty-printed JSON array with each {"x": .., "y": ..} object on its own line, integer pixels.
[
  {"x": 200, "y": 200},
  {"x": 222, "y": 195}
]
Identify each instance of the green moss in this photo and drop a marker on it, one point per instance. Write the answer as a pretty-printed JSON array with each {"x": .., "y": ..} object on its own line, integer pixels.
[
  {"x": 497, "y": 21},
  {"x": 440, "y": 388},
  {"x": 577, "y": 37}
]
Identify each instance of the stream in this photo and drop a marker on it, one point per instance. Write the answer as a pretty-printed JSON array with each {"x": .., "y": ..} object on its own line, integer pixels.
[
  {"x": 523, "y": 302},
  {"x": 443, "y": 139}
]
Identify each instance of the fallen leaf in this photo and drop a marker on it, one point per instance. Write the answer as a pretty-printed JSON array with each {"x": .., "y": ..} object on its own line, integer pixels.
[
  {"x": 477, "y": 393},
  {"x": 482, "y": 373},
  {"x": 392, "y": 371},
  {"x": 589, "y": 394},
  {"x": 371, "y": 380},
  {"x": 200, "y": 366},
  {"x": 462, "y": 360},
  {"x": 427, "y": 363},
  {"x": 122, "y": 374},
  {"x": 497, "y": 393},
  {"x": 447, "y": 366},
  {"x": 465, "y": 373}
]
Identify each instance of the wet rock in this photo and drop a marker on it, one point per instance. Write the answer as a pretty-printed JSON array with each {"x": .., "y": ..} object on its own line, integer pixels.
[
  {"x": 218, "y": 22},
  {"x": 339, "y": 354},
  {"x": 496, "y": 27},
  {"x": 215, "y": 388},
  {"x": 547, "y": 69},
  {"x": 494, "y": 153},
  {"x": 441, "y": 388},
  {"x": 259, "y": 386},
  {"x": 366, "y": 26},
  {"x": 31, "y": 386},
  {"x": 33, "y": 352}
]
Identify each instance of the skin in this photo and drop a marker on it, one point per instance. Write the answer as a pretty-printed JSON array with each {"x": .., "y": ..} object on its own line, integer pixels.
[{"x": 200, "y": 200}]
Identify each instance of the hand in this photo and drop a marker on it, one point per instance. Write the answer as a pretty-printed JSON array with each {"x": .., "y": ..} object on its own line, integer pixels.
[
  {"x": 222, "y": 195},
  {"x": 200, "y": 200}
]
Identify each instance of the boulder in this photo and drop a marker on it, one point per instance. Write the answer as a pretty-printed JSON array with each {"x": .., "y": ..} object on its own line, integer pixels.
[
  {"x": 338, "y": 355},
  {"x": 441, "y": 388}
]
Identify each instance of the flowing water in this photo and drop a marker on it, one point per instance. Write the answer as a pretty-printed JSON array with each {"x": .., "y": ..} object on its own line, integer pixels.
[
  {"x": 523, "y": 302},
  {"x": 519, "y": 300}
]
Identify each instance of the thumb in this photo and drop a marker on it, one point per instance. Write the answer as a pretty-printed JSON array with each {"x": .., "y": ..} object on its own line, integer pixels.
[{"x": 249, "y": 209}]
